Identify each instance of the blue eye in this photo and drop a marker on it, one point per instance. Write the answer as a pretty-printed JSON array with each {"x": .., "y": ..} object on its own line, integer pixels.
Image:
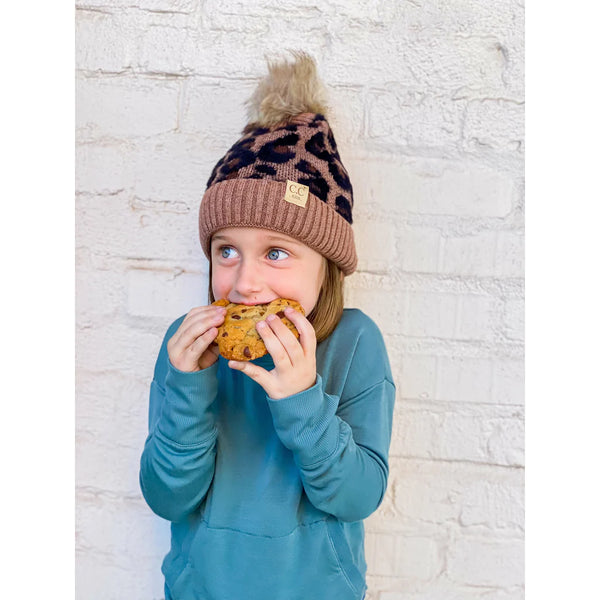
[
  {"x": 276, "y": 254},
  {"x": 227, "y": 251}
]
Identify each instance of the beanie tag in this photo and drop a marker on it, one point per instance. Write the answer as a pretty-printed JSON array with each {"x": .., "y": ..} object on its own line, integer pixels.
[{"x": 296, "y": 193}]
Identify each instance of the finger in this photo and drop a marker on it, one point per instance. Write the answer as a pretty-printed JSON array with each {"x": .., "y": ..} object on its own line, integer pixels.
[
  {"x": 201, "y": 343},
  {"x": 308, "y": 338},
  {"x": 286, "y": 337},
  {"x": 256, "y": 373},
  {"x": 198, "y": 324},
  {"x": 189, "y": 321},
  {"x": 273, "y": 344}
]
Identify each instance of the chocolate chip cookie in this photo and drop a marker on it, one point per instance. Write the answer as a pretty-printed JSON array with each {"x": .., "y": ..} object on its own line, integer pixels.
[{"x": 238, "y": 339}]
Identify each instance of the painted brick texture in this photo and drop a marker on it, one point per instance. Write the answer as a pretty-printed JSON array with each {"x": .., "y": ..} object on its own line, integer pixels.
[{"x": 427, "y": 108}]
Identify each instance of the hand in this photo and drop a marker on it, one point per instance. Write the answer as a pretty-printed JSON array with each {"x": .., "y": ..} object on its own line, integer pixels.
[
  {"x": 295, "y": 360},
  {"x": 190, "y": 347}
]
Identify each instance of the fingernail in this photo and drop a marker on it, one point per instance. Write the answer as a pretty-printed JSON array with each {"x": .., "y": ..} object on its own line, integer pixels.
[
  {"x": 261, "y": 324},
  {"x": 271, "y": 318}
]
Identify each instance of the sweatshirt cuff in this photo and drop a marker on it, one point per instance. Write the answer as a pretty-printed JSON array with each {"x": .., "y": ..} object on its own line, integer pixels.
[
  {"x": 188, "y": 413},
  {"x": 307, "y": 424}
]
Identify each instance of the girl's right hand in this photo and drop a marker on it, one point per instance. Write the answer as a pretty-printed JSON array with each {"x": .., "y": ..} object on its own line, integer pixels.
[{"x": 190, "y": 347}]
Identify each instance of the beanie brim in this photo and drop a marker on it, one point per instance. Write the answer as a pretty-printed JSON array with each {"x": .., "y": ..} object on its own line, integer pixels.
[{"x": 260, "y": 203}]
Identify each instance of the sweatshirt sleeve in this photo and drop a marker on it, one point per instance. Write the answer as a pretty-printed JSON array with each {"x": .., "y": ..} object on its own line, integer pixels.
[
  {"x": 340, "y": 443},
  {"x": 178, "y": 460}
]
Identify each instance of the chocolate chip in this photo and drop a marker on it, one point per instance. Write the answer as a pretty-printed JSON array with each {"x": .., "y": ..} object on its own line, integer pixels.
[
  {"x": 237, "y": 317},
  {"x": 247, "y": 352},
  {"x": 281, "y": 314},
  {"x": 225, "y": 334}
]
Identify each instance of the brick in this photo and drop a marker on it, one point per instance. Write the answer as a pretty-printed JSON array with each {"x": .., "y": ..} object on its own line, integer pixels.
[
  {"x": 448, "y": 316},
  {"x": 453, "y": 189},
  {"x": 163, "y": 293},
  {"x": 166, "y": 44},
  {"x": 427, "y": 496},
  {"x": 417, "y": 558},
  {"x": 470, "y": 255},
  {"x": 157, "y": 5},
  {"x": 375, "y": 245},
  {"x": 420, "y": 249},
  {"x": 484, "y": 562},
  {"x": 475, "y": 317},
  {"x": 103, "y": 41},
  {"x": 442, "y": 591},
  {"x": 510, "y": 254},
  {"x": 495, "y": 505},
  {"x": 215, "y": 111},
  {"x": 407, "y": 117},
  {"x": 462, "y": 379},
  {"x": 430, "y": 314},
  {"x": 481, "y": 434},
  {"x": 402, "y": 556},
  {"x": 99, "y": 294},
  {"x": 116, "y": 536},
  {"x": 122, "y": 107},
  {"x": 103, "y": 169},
  {"x": 112, "y": 425},
  {"x": 505, "y": 440},
  {"x": 514, "y": 319},
  {"x": 439, "y": 187},
  {"x": 174, "y": 168},
  {"x": 118, "y": 226},
  {"x": 368, "y": 55},
  {"x": 462, "y": 437},
  {"x": 449, "y": 61},
  {"x": 114, "y": 346},
  {"x": 469, "y": 17},
  {"x": 413, "y": 433},
  {"x": 418, "y": 377},
  {"x": 470, "y": 496},
  {"x": 348, "y": 123},
  {"x": 375, "y": 300},
  {"x": 103, "y": 462},
  {"x": 508, "y": 385},
  {"x": 494, "y": 123}
]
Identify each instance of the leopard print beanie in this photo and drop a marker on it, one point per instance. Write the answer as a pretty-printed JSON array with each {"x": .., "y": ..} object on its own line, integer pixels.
[{"x": 285, "y": 172}]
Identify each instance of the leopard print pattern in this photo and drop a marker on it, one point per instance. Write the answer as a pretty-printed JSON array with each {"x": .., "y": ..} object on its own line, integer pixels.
[{"x": 304, "y": 151}]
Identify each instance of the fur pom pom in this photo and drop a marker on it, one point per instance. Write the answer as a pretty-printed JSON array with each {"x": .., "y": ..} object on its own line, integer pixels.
[{"x": 288, "y": 90}]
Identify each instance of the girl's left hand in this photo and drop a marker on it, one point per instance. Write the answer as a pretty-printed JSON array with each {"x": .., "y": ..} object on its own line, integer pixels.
[{"x": 295, "y": 360}]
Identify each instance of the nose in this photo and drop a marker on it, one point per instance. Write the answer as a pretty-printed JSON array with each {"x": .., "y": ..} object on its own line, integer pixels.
[{"x": 248, "y": 281}]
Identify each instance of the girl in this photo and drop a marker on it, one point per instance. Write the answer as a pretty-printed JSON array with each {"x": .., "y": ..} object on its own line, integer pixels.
[{"x": 267, "y": 468}]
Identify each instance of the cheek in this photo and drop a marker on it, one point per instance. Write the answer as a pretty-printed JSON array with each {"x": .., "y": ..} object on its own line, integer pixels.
[
  {"x": 218, "y": 283},
  {"x": 313, "y": 285}
]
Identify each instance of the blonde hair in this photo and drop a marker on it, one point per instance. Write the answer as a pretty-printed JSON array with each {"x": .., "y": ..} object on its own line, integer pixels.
[{"x": 329, "y": 308}]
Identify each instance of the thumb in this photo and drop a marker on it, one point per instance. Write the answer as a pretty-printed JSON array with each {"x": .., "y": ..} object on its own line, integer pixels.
[{"x": 256, "y": 373}]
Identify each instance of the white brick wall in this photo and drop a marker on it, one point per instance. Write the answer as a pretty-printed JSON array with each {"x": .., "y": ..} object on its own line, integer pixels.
[{"x": 428, "y": 112}]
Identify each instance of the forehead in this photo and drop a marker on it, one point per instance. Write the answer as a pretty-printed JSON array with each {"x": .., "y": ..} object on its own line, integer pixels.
[{"x": 252, "y": 234}]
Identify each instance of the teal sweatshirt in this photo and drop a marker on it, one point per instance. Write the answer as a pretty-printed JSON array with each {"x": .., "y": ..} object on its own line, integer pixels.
[{"x": 267, "y": 497}]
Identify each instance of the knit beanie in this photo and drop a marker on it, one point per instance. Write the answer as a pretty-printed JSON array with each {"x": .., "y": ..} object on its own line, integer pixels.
[{"x": 285, "y": 172}]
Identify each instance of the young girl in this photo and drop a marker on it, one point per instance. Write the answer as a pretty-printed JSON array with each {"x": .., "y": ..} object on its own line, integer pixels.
[{"x": 267, "y": 468}]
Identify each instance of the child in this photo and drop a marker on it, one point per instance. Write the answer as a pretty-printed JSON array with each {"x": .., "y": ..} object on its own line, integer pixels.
[{"x": 267, "y": 468}]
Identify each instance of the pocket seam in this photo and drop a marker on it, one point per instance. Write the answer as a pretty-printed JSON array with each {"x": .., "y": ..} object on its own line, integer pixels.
[{"x": 339, "y": 562}]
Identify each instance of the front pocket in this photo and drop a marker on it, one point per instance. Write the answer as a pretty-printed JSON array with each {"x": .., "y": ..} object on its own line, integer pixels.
[
  {"x": 182, "y": 587},
  {"x": 310, "y": 562},
  {"x": 344, "y": 556}
]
